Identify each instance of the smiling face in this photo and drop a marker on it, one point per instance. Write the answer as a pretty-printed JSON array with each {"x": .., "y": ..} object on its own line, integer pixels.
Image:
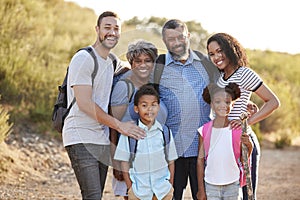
[
  {"x": 142, "y": 66},
  {"x": 217, "y": 55},
  {"x": 147, "y": 108},
  {"x": 221, "y": 103},
  {"x": 177, "y": 42},
  {"x": 109, "y": 31}
]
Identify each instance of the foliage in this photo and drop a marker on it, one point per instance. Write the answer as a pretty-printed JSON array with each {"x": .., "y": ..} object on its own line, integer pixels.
[
  {"x": 39, "y": 37},
  {"x": 34, "y": 51},
  {"x": 284, "y": 140},
  {"x": 281, "y": 73}
]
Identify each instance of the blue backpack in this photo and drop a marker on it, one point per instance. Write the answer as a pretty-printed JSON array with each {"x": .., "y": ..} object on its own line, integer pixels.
[{"x": 133, "y": 144}]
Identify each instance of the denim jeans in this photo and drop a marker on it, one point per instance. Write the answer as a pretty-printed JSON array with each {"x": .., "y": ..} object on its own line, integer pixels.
[
  {"x": 90, "y": 164},
  {"x": 225, "y": 192}
]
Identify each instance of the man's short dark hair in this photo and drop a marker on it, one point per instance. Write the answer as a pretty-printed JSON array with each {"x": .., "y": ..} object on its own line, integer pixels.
[{"x": 106, "y": 14}]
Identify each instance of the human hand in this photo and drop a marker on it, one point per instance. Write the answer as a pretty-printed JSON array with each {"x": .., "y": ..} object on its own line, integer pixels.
[
  {"x": 118, "y": 175},
  {"x": 201, "y": 195},
  {"x": 252, "y": 108},
  {"x": 245, "y": 139},
  {"x": 235, "y": 124},
  {"x": 130, "y": 129}
]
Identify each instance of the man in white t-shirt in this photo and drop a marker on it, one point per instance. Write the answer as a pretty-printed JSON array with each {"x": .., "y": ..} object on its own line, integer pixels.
[{"x": 85, "y": 132}]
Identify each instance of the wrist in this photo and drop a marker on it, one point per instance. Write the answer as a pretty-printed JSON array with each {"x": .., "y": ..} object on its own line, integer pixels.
[{"x": 118, "y": 125}]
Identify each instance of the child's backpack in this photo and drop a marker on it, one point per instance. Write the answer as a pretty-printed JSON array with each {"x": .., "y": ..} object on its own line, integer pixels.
[
  {"x": 61, "y": 109},
  {"x": 133, "y": 144},
  {"x": 236, "y": 145},
  {"x": 211, "y": 70}
]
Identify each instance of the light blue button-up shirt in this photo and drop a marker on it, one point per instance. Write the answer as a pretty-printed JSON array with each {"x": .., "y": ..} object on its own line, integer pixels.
[
  {"x": 181, "y": 87},
  {"x": 149, "y": 173}
]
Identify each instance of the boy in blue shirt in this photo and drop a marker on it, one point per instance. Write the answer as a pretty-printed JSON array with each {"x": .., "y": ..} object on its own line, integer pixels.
[{"x": 150, "y": 175}]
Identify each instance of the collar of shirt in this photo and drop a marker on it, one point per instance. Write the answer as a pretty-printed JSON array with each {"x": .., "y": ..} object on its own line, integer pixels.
[{"x": 154, "y": 127}]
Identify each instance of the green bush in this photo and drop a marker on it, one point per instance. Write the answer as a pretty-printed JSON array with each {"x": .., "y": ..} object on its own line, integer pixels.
[{"x": 283, "y": 141}]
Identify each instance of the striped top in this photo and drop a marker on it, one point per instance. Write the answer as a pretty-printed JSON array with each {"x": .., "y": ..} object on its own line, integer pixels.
[{"x": 248, "y": 81}]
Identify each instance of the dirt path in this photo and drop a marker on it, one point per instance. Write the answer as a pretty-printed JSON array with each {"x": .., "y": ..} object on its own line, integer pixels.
[
  {"x": 32, "y": 167},
  {"x": 279, "y": 176}
]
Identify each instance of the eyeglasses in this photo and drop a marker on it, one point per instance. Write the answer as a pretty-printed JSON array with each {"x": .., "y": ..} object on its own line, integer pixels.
[{"x": 179, "y": 38}]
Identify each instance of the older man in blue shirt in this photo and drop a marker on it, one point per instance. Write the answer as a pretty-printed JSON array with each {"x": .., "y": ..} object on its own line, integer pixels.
[{"x": 182, "y": 81}]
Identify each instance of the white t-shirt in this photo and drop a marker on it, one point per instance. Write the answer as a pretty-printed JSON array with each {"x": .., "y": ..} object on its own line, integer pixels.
[
  {"x": 221, "y": 167},
  {"x": 79, "y": 127}
]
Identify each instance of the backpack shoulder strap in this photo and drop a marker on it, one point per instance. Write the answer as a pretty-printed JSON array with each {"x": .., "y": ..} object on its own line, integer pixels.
[
  {"x": 211, "y": 69},
  {"x": 167, "y": 137},
  {"x": 63, "y": 87},
  {"x": 132, "y": 148},
  {"x": 130, "y": 88},
  {"x": 166, "y": 134},
  {"x": 158, "y": 69},
  {"x": 114, "y": 60},
  {"x": 236, "y": 143},
  {"x": 91, "y": 52},
  {"x": 206, "y": 134}
]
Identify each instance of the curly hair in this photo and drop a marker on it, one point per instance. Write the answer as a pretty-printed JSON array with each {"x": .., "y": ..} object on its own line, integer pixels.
[
  {"x": 232, "y": 89},
  {"x": 139, "y": 47},
  {"x": 233, "y": 50}
]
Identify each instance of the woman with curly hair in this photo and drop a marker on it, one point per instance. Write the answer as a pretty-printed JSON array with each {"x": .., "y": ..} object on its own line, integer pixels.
[{"x": 230, "y": 58}]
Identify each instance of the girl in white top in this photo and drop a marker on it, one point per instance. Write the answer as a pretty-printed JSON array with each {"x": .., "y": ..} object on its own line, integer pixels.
[
  {"x": 218, "y": 168},
  {"x": 230, "y": 58}
]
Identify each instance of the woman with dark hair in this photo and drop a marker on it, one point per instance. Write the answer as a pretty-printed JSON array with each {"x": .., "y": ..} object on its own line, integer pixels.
[
  {"x": 230, "y": 58},
  {"x": 141, "y": 55}
]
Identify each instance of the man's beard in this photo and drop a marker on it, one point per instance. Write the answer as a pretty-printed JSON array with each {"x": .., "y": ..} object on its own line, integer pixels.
[
  {"x": 102, "y": 41},
  {"x": 183, "y": 55}
]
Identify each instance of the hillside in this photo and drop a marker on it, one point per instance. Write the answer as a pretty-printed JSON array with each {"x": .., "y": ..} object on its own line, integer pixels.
[{"x": 34, "y": 58}]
